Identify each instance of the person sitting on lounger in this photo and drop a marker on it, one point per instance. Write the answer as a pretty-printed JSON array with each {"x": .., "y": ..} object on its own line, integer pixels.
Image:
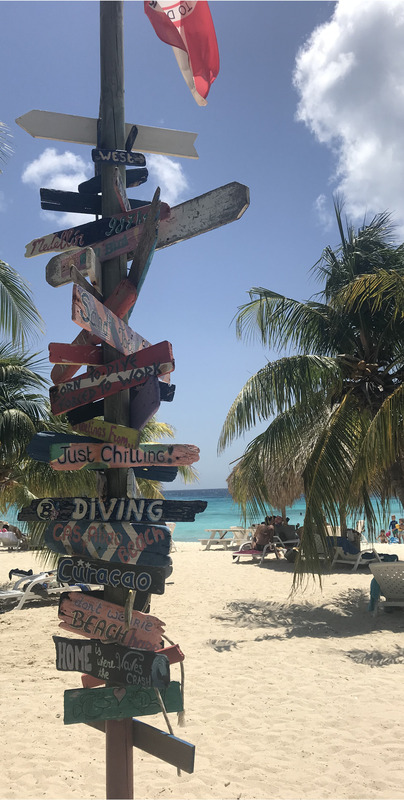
[
  {"x": 263, "y": 534},
  {"x": 382, "y": 537}
]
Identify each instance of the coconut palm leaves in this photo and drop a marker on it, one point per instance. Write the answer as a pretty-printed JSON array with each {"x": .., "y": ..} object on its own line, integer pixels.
[
  {"x": 18, "y": 315},
  {"x": 338, "y": 404}
]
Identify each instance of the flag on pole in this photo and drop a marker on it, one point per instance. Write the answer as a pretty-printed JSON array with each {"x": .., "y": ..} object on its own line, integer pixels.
[{"x": 188, "y": 27}]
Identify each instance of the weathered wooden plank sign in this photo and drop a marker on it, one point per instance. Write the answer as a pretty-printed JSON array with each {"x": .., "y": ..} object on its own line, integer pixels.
[
  {"x": 120, "y": 542},
  {"x": 86, "y": 412},
  {"x": 173, "y": 653},
  {"x": 121, "y": 509},
  {"x": 99, "y": 320},
  {"x": 112, "y": 662},
  {"x": 91, "y": 232},
  {"x": 105, "y": 455},
  {"x": 103, "y": 156},
  {"x": 109, "y": 432},
  {"x": 86, "y": 705},
  {"x": 106, "y": 380},
  {"x": 83, "y": 130},
  {"x": 133, "y": 177},
  {"x": 162, "y": 745},
  {"x": 131, "y": 576},
  {"x": 57, "y": 200},
  {"x": 144, "y": 402},
  {"x": 96, "y": 618},
  {"x": 120, "y": 190},
  {"x": 80, "y": 354},
  {"x": 167, "y": 392},
  {"x": 58, "y": 268}
]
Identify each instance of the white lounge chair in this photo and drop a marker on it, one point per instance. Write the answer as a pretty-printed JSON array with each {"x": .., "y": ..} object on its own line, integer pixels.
[
  {"x": 390, "y": 577},
  {"x": 43, "y": 585}
]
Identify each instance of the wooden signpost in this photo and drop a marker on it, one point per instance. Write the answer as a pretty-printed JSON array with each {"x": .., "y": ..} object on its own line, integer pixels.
[
  {"x": 100, "y": 321},
  {"x": 118, "y": 157},
  {"x": 57, "y": 200},
  {"x": 133, "y": 177},
  {"x": 124, "y": 509},
  {"x": 112, "y": 662},
  {"x": 131, "y": 576},
  {"x": 87, "y": 705},
  {"x": 109, "y": 456},
  {"x": 58, "y": 268},
  {"x": 93, "y": 617},
  {"x": 144, "y": 402},
  {"x": 80, "y": 354},
  {"x": 108, "y": 432},
  {"x": 83, "y": 130},
  {"x": 120, "y": 542},
  {"x": 109, "y": 379}
]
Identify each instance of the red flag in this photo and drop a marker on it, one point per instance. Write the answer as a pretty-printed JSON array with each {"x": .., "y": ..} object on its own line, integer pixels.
[{"x": 188, "y": 27}]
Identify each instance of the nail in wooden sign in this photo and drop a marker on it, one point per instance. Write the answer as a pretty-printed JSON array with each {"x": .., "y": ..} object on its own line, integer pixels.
[
  {"x": 112, "y": 662},
  {"x": 99, "y": 320},
  {"x": 95, "y": 618},
  {"x": 90, "y": 232},
  {"x": 86, "y": 705},
  {"x": 104, "y": 381},
  {"x": 118, "y": 542},
  {"x": 105, "y": 455},
  {"x": 109, "y": 432},
  {"x": 128, "y": 576},
  {"x": 117, "y": 157},
  {"x": 157, "y": 743},
  {"x": 137, "y": 509}
]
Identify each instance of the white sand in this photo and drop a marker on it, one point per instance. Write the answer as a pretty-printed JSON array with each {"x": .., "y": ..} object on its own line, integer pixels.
[{"x": 285, "y": 698}]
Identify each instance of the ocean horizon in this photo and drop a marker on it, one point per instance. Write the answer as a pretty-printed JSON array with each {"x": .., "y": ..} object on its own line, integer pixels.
[{"x": 221, "y": 512}]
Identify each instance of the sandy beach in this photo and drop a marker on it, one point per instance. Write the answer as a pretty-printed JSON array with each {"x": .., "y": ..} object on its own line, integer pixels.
[{"x": 285, "y": 697}]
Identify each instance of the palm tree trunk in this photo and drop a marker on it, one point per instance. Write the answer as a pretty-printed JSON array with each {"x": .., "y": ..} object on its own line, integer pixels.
[{"x": 342, "y": 518}]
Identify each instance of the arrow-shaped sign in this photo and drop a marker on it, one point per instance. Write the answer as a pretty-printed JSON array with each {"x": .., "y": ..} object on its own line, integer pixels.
[{"x": 83, "y": 130}]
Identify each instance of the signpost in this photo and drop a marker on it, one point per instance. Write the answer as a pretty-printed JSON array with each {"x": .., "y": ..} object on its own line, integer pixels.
[
  {"x": 118, "y": 157},
  {"x": 99, "y": 320},
  {"x": 120, "y": 542},
  {"x": 112, "y": 662},
  {"x": 137, "y": 509},
  {"x": 83, "y": 130},
  {"x": 107, "y": 432},
  {"x": 138, "y": 578},
  {"x": 87, "y": 705},
  {"x": 133, "y": 177},
  {"x": 108, "y": 456}
]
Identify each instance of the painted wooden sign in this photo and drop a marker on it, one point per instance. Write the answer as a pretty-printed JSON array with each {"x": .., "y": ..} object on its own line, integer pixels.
[
  {"x": 86, "y": 705},
  {"x": 90, "y": 232},
  {"x": 144, "y": 402},
  {"x": 106, "y": 380},
  {"x": 173, "y": 653},
  {"x": 58, "y": 268},
  {"x": 121, "y": 509},
  {"x": 162, "y": 745},
  {"x": 80, "y": 354},
  {"x": 167, "y": 392},
  {"x": 83, "y": 130},
  {"x": 57, "y": 200},
  {"x": 99, "y": 320},
  {"x": 109, "y": 432},
  {"x": 112, "y": 662},
  {"x": 129, "y": 576},
  {"x": 133, "y": 177},
  {"x": 105, "y": 455},
  {"x": 38, "y": 447},
  {"x": 96, "y": 618},
  {"x": 120, "y": 302},
  {"x": 102, "y": 156},
  {"x": 120, "y": 542}
]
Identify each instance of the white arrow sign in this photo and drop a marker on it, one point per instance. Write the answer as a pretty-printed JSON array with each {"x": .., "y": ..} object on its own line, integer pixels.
[{"x": 83, "y": 130}]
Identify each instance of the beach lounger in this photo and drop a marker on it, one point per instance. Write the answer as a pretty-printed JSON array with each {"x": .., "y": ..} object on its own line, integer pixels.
[
  {"x": 390, "y": 581},
  {"x": 247, "y": 550},
  {"x": 42, "y": 585}
]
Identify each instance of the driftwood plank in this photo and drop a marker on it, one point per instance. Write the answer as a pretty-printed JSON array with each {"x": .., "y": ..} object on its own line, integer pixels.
[
  {"x": 83, "y": 705},
  {"x": 58, "y": 269},
  {"x": 56, "y": 200},
  {"x": 137, "y": 509},
  {"x": 80, "y": 354},
  {"x": 98, "y": 619},
  {"x": 112, "y": 662},
  {"x": 75, "y": 570},
  {"x": 110, "y": 378},
  {"x": 105, "y": 455},
  {"x": 118, "y": 542},
  {"x": 100, "y": 321}
]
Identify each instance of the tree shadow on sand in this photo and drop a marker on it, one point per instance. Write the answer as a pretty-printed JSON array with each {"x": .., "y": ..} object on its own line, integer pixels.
[{"x": 344, "y": 617}]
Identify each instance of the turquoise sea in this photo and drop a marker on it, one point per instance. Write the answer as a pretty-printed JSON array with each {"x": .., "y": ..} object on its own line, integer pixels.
[{"x": 221, "y": 512}]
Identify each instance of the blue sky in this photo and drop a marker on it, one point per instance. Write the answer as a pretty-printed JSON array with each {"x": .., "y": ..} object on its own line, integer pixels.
[{"x": 308, "y": 102}]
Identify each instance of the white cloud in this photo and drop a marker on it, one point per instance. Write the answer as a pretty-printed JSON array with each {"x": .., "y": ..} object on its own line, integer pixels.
[
  {"x": 350, "y": 78},
  {"x": 169, "y": 176},
  {"x": 63, "y": 171}
]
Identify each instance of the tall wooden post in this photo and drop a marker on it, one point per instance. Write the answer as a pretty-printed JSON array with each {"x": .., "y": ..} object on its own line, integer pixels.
[{"x": 111, "y": 135}]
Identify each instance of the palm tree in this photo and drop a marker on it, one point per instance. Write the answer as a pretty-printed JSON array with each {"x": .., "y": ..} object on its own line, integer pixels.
[
  {"x": 19, "y": 319},
  {"x": 331, "y": 403}
]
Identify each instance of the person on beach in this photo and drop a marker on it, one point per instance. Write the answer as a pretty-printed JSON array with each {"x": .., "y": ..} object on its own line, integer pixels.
[
  {"x": 382, "y": 537},
  {"x": 393, "y": 523},
  {"x": 263, "y": 534}
]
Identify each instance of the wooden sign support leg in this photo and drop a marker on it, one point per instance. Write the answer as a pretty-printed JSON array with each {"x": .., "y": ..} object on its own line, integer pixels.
[{"x": 111, "y": 134}]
